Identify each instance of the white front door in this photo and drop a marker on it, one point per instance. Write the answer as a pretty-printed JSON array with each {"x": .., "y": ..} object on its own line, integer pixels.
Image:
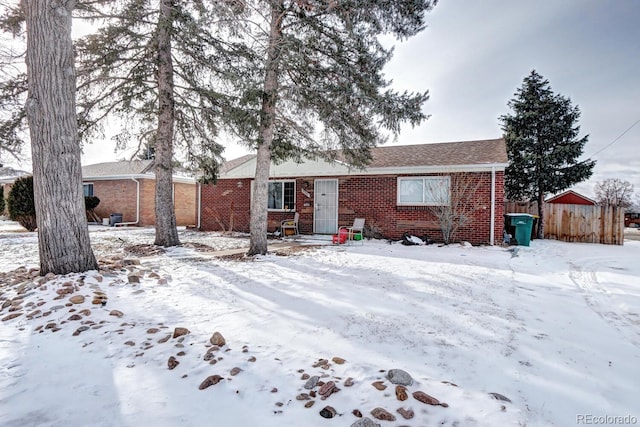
[{"x": 325, "y": 215}]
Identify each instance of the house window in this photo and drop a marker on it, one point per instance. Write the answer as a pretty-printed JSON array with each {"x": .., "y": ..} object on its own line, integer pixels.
[
  {"x": 88, "y": 189},
  {"x": 424, "y": 191},
  {"x": 282, "y": 195}
]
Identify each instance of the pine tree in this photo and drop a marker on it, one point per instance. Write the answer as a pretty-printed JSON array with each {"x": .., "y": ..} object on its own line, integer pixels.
[
  {"x": 543, "y": 146},
  {"x": 63, "y": 234},
  {"x": 13, "y": 80},
  {"x": 319, "y": 87},
  {"x": 157, "y": 66}
]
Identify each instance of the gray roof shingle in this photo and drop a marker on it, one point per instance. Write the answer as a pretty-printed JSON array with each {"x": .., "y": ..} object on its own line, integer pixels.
[
  {"x": 481, "y": 152},
  {"x": 124, "y": 168},
  {"x": 489, "y": 151}
]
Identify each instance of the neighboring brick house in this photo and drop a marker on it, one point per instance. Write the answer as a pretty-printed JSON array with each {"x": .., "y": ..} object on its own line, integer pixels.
[
  {"x": 128, "y": 188},
  {"x": 571, "y": 197},
  {"x": 395, "y": 193}
]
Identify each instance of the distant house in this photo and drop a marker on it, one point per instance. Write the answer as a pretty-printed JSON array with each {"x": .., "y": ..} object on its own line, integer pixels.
[
  {"x": 394, "y": 194},
  {"x": 571, "y": 197},
  {"x": 128, "y": 188}
]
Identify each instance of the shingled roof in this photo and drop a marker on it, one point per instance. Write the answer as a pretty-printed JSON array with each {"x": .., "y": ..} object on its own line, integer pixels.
[
  {"x": 123, "y": 168},
  {"x": 465, "y": 153},
  {"x": 488, "y": 151}
]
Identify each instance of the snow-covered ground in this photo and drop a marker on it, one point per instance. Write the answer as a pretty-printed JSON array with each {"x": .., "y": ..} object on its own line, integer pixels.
[{"x": 554, "y": 327}]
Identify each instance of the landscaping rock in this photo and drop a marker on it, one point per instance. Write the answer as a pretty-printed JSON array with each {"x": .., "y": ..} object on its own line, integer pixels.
[
  {"x": 425, "y": 398},
  {"x": 179, "y": 331},
  {"x": 401, "y": 393},
  {"x": 365, "y": 422},
  {"x": 77, "y": 299},
  {"x": 172, "y": 362},
  {"x": 499, "y": 396},
  {"x": 328, "y": 412},
  {"x": 407, "y": 414},
  {"x": 379, "y": 385},
  {"x": 312, "y": 382},
  {"x": 383, "y": 414},
  {"x": 209, "y": 381},
  {"x": 398, "y": 376},
  {"x": 217, "y": 339}
]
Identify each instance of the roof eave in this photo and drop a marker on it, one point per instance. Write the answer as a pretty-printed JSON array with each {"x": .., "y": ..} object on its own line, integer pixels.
[
  {"x": 484, "y": 167},
  {"x": 179, "y": 179}
]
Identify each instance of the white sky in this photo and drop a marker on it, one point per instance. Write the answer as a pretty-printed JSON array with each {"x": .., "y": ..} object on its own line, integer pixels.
[{"x": 474, "y": 55}]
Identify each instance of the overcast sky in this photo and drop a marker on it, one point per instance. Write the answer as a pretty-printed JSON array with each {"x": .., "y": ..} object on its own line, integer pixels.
[{"x": 475, "y": 54}]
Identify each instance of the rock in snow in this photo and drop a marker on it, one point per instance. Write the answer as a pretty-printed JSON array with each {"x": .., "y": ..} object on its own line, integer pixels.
[{"x": 398, "y": 376}]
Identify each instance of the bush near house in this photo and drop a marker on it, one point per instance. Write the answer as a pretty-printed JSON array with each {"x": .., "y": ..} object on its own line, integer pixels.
[
  {"x": 21, "y": 204},
  {"x": 2, "y": 203},
  {"x": 91, "y": 202}
]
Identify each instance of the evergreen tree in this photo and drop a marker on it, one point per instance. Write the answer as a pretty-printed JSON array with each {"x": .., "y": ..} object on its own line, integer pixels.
[
  {"x": 543, "y": 146},
  {"x": 319, "y": 85},
  {"x": 157, "y": 66},
  {"x": 2, "y": 202},
  {"x": 13, "y": 80}
]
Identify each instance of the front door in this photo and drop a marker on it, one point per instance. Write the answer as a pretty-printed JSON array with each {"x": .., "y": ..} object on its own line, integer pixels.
[{"x": 325, "y": 217}]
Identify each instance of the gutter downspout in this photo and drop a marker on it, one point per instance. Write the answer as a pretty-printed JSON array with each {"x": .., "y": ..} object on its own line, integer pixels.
[
  {"x": 198, "y": 214},
  {"x": 492, "y": 233},
  {"x": 121, "y": 224}
]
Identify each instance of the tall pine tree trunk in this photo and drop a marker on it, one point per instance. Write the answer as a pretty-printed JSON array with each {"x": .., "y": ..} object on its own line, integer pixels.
[
  {"x": 63, "y": 234},
  {"x": 259, "y": 212},
  {"x": 166, "y": 231}
]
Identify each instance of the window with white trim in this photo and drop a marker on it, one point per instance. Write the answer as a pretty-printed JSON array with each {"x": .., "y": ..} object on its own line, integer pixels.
[
  {"x": 87, "y": 189},
  {"x": 424, "y": 191},
  {"x": 282, "y": 195}
]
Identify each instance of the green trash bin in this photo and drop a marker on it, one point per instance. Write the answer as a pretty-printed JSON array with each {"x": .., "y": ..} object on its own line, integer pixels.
[{"x": 523, "y": 224}]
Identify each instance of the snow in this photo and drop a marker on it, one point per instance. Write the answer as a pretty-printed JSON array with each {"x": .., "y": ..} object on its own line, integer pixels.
[{"x": 554, "y": 327}]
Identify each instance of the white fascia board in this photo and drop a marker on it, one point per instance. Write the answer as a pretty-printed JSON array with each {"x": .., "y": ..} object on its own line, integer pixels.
[
  {"x": 323, "y": 168},
  {"x": 290, "y": 169},
  {"x": 432, "y": 169},
  {"x": 178, "y": 179}
]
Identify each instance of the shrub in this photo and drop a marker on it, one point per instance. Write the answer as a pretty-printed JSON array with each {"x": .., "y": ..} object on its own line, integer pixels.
[
  {"x": 91, "y": 202},
  {"x": 2, "y": 201},
  {"x": 21, "y": 204}
]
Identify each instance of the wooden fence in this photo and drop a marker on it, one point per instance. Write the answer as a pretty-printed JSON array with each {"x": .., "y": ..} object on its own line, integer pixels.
[{"x": 577, "y": 223}]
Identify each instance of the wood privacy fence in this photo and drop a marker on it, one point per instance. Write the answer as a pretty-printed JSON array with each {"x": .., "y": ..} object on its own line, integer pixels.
[{"x": 577, "y": 223}]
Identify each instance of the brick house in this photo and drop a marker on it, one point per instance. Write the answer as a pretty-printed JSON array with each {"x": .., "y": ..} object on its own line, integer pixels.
[
  {"x": 128, "y": 188},
  {"x": 571, "y": 197},
  {"x": 395, "y": 194}
]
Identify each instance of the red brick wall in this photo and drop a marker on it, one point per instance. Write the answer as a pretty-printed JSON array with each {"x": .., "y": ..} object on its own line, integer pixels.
[
  {"x": 371, "y": 197},
  {"x": 119, "y": 196},
  {"x": 184, "y": 201}
]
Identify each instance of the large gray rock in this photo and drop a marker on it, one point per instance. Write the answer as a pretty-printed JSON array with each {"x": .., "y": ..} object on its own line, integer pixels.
[
  {"x": 312, "y": 382},
  {"x": 398, "y": 376},
  {"x": 365, "y": 422}
]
